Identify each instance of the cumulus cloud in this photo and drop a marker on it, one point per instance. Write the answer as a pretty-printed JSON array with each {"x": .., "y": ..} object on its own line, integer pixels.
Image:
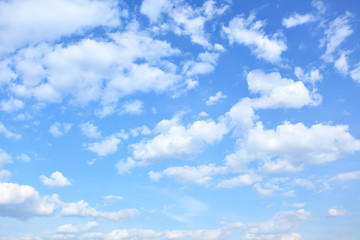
[
  {"x": 338, "y": 30},
  {"x": 215, "y": 99},
  {"x": 336, "y": 212},
  {"x": 154, "y": 8},
  {"x": 7, "y": 133},
  {"x": 23, "y": 202},
  {"x": 69, "y": 228},
  {"x": 200, "y": 175},
  {"x": 11, "y": 105},
  {"x": 294, "y": 144},
  {"x": 82, "y": 209},
  {"x": 205, "y": 63},
  {"x": 250, "y": 33},
  {"x": 58, "y": 129},
  {"x": 313, "y": 76},
  {"x": 5, "y": 158},
  {"x": 107, "y": 146},
  {"x": 56, "y": 179},
  {"x": 278, "y": 92},
  {"x": 90, "y": 130},
  {"x": 297, "y": 19},
  {"x": 24, "y": 157},
  {"x": 242, "y": 180},
  {"x": 135, "y": 107},
  {"x": 29, "y": 22},
  {"x": 175, "y": 141}
]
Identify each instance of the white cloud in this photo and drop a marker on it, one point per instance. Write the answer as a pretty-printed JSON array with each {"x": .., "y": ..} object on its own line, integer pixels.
[
  {"x": 142, "y": 130},
  {"x": 342, "y": 177},
  {"x": 176, "y": 141},
  {"x": 5, "y": 158},
  {"x": 58, "y": 129},
  {"x": 69, "y": 228},
  {"x": 153, "y": 8},
  {"x": 292, "y": 236},
  {"x": 200, "y": 175},
  {"x": 310, "y": 77},
  {"x": 4, "y": 175},
  {"x": 355, "y": 74},
  {"x": 31, "y": 21},
  {"x": 90, "y": 130},
  {"x": 105, "y": 147},
  {"x": 11, "y": 105},
  {"x": 113, "y": 197},
  {"x": 23, "y": 201},
  {"x": 336, "y": 212},
  {"x": 278, "y": 92},
  {"x": 7, "y": 133},
  {"x": 294, "y": 144},
  {"x": 250, "y": 33},
  {"x": 304, "y": 183},
  {"x": 341, "y": 64},
  {"x": 24, "y": 157},
  {"x": 297, "y": 19},
  {"x": 205, "y": 63},
  {"x": 242, "y": 180},
  {"x": 183, "y": 19},
  {"x": 56, "y": 179},
  {"x": 338, "y": 30},
  {"x": 82, "y": 209},
  {"x": 7, "y": 74},
  {"x": 135, "y": 107},
  {"x": 215, "y": 99}
]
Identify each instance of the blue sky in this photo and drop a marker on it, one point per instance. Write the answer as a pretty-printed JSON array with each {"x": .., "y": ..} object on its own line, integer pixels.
[{"x": 161, "y": 119}]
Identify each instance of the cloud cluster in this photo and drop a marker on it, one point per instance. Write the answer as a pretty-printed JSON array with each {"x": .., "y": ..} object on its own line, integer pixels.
[{"x": 24, "y": 202}]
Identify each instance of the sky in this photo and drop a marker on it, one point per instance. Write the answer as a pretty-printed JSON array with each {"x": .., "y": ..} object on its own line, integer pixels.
[{"x": 160, "y": 119}]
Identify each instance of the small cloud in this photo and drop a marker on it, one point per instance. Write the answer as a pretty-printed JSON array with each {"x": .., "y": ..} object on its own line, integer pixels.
[
  {"x": 336, "y": 212},
  {"x": 90, "y": 130},
  {"x": 135, "y": 107},
  {"x": 59, "y": 129},
  {"x": 297, "y": 19},
  {"x": 7, "y": 133},
  {"x": 113, "y": 197},
  {"x": 215, "y": 99},
  {"x": 11, "y": 105},
  {"x": 56, "y": 179},
  {"x": 24, "y": 158}
]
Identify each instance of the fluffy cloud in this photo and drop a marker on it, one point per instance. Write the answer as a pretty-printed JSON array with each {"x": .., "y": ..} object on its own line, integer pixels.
[
  {"x": 242, "y": 180},
  {"x": 311, "y": 77},
  {"x": 69, "y": 228},
  {"x": 297, "y": 19},
  {"x": 205, "y": 63},
  {"x": 250, "y": 33},
  {"x": 11, "y": 105},
  {"x": 176, "y": 141},
  {"x": 200, "y": 175},
  {"x": 154, "y": 8},
  {"x": 215, "y": 99},
  {"x": 336, "y": 212},
  {"x": 31, "y": 21},
  {"x": 338, "y": 30},
  {"x": 23, "y": 201},
  {"x": 7, "y": 133},
  {"x": 292, "y": 145},
  {"x": 108, "y": 145},
  {"x": 59, "y": 129},
  {"x": 56, "y": 179},
  {"x": 135, "y": 107},
  {"x": 82, "y": 209},
  {"x": 278, "y": 92},
  {"x": 90, "y": 130}
]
